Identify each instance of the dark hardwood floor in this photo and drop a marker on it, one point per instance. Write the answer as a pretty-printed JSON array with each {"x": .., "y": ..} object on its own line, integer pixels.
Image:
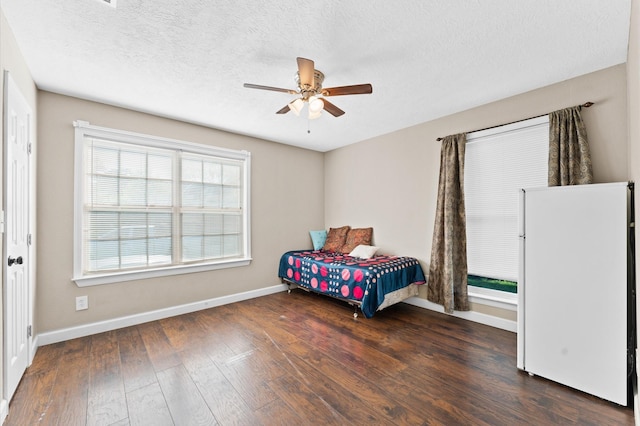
[{"x": 295, "y": 359}]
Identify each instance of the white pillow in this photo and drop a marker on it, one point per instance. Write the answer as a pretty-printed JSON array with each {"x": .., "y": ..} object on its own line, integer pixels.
[{"x": 363, "y": 252}]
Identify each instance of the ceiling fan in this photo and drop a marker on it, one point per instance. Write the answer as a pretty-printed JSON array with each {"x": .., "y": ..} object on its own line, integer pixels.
[{"x": 310, "y": 89}]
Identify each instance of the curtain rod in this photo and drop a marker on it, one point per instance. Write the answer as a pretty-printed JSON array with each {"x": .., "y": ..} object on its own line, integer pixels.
[{"x": 585, "y": 105}]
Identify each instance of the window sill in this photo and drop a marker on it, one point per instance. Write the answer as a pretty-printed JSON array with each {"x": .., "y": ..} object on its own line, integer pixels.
[
  {"x": 91, "y": 280},
  {"x": 495, "y": 298}
]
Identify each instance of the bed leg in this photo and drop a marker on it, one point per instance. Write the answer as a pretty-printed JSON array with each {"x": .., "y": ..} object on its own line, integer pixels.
[{"x": 355, "y": 312}]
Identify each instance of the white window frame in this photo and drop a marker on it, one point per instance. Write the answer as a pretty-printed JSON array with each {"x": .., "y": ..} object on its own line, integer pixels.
[
  {"x": 83, "y": 130},
  {"x": 486, "y": 296}
]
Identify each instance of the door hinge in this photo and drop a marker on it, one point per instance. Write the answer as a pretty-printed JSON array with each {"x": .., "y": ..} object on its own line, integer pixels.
[
  {"x": 29, "y": 148},
  {"x": 29, "y": 331},
  {"x": 28, "y": 239}
]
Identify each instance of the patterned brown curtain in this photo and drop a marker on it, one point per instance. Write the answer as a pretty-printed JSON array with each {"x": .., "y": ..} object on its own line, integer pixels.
[
  {"x": 569, "y": 157},
  {"x": 447, "y": 281}
]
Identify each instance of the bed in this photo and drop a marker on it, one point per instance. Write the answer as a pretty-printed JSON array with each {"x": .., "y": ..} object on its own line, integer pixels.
[{"x": 369, "y": 284}]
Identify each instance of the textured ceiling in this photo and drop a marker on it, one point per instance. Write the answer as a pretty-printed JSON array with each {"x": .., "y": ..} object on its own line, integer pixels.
[{"x": 188, "y": 59}]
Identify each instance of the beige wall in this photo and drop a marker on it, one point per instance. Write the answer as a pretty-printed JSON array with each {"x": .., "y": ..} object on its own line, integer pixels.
[
  {"x": 286, "y": 202},
  {"x": 633, "y": 92},
  {"x": 390, "y": 182},
  {"x": 11, "y": 60}
]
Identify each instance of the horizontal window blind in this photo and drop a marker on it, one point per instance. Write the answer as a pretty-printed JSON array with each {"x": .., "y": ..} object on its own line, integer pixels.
[
  {"x": 211, "y": 218},
  {"x": 128, "y": 208},
  {"x": 498, "y": 163},
  {"x": 146, "y": 204}
]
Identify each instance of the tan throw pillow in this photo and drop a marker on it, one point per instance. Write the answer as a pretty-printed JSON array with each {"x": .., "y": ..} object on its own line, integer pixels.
[
  {"x": 356, "y": 237},
  {"x": 336, "y": 239}
]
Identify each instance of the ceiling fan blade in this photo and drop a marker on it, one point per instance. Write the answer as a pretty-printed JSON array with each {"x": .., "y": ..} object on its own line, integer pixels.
[
  {"x": 358, "y": 89},
  {"x": 332, "y": 109},
  {"x": 305, "y": 71},
  {"x": 284, "y": 110},
  {"x": 275, "y": 89}
]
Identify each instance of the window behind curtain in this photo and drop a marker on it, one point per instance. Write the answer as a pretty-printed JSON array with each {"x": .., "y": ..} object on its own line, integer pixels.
[
  {"x": 150, "y": 204},
  {"x": 499, "y": 162}
]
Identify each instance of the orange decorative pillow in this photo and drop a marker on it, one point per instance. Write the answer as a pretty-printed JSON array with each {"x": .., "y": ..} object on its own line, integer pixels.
[
  {"x": 336, "y": 239},
  {"x": 356, "y": 237}
]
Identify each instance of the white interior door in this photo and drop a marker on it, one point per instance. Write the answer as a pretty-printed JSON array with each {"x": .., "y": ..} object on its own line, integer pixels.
[{"x": 16, "y": 262}]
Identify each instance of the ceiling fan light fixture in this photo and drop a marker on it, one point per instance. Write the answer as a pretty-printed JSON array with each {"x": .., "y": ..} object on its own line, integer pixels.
[
  {"x": 314, "y": 115},
  {"x": 296, "y": 106},
  {"x": 315, "y": 105}
]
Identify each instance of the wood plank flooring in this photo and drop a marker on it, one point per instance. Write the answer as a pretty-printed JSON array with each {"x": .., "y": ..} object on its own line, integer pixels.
[{"x": 297, "y": 359}]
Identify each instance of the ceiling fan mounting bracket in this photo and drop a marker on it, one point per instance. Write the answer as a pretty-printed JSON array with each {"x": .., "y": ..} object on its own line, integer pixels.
[{"x": 305, "y": 89}]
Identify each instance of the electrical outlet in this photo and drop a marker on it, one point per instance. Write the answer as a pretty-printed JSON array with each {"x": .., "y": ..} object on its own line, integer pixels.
[{"x": 82, "y": 303}]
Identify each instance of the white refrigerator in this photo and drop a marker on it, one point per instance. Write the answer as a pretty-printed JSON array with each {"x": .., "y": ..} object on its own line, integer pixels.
[{"x": 574, "y": 301}]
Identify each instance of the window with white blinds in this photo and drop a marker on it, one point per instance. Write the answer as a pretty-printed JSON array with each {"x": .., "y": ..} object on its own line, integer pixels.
[
  {"x": 148, "y": 206},
  {"x": 499, "y": 162}
]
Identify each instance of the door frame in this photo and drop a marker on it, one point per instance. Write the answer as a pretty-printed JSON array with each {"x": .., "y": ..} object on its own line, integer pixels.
[{"x": 9, "y": 84}]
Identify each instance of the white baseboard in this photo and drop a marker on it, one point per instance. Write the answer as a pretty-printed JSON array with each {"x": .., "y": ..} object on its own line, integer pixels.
[
  {"x": 636, "y": 404},
  {"x": 478, "y": 317},
  {"x": 4, "y": 410},
  {"x": 636, "y": 400},
  {"x": 34, "y": 348},
  {"x": 113, "y": 324}
]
